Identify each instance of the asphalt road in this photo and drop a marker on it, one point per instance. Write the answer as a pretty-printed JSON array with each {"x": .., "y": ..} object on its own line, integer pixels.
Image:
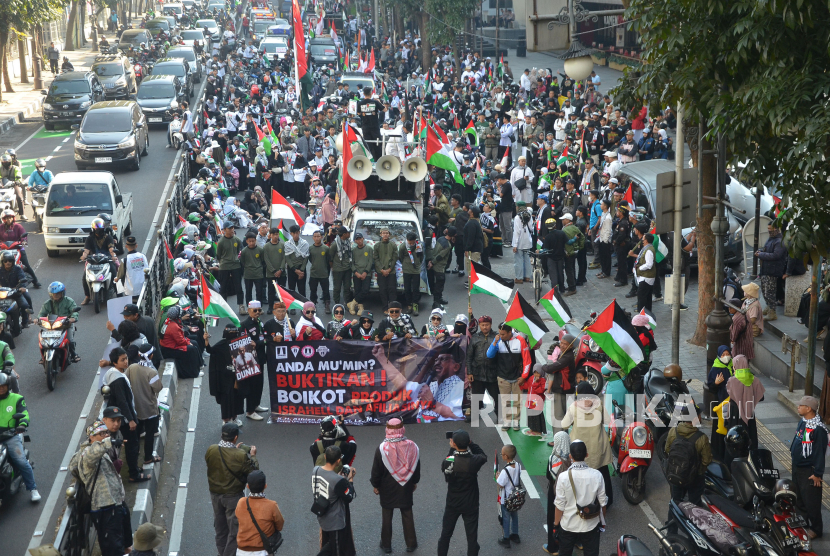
[{"x": 54, "y": 415}]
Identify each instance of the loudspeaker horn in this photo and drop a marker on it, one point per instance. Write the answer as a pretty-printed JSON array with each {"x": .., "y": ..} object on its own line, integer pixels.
[
  {"x": 359, "y": 168},
  {"x": 338, "y": 141},
  {"x": 414, "y": 169},
  {"x": 388, "y": 167}
]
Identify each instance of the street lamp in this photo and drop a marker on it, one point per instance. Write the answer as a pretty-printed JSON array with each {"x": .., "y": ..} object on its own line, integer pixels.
[{"x": 578, "y": 61}]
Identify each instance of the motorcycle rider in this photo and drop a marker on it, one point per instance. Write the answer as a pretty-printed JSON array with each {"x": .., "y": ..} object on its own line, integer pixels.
[
  {"x": 11, "y": 232},
  {"x": 12, "y": 276},
  {"x": 10, "y": 405},
  {"x": 12, "y": 172},
  {"x": 100, "y": 240},
  {"x": 41, "y": 177},
  {"x": 67, "y": 65},
  {"x": 63, "y": 306}
]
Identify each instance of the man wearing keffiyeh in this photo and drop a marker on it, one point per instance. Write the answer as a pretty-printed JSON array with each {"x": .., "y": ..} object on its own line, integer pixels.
[
  {"x": 808, "y": 450},
  {"x": 395, "y": 474}
]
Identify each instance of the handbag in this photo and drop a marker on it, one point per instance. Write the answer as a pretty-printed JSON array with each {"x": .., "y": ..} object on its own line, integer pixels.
[
  {"x": 517, "y": 497},
  {"x": 321, "y": 504},
  {"x": 83, "y": 497},
  {"x": 590, "y": 511},
  {"x": 269, "y": 544}
]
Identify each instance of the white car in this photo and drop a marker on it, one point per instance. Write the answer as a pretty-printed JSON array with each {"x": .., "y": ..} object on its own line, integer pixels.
[
  {"x": 279, "y": 27},
  {"x": 190, "y": 36},
  {"x": 274, "y": 45}
]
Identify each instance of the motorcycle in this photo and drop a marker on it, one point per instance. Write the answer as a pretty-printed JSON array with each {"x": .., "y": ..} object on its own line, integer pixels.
[
  {"x": 98, "y": 277},
  {"x": 629, "y": 545},
  {"x": 16, "y": 247},
  {"x": 39, "y": 193},
  {"x": 10, "y": 481},
  {"x": 176, "y": 136},
  {"x": 667, "y": 390},
  {"x": 10, "y": 306},
  {"x": 8, "y": 200},
  {"x": 588, "y": 356},
  {"x": 634, "y": 446},
  {"x": 53, "y": 341}
]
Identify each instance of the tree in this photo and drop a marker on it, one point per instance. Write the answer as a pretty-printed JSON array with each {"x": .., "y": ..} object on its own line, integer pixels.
[
  {"x": 449, "y": 17},
  {"x": 755, "y": 72},
  {"x": 70, "y": 26}
]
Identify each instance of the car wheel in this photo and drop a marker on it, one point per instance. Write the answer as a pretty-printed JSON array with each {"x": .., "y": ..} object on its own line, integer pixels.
[
  {"x": 49, "y": 127},
  {"x": 52, "y": 253},
  {"x": 137, "y": 161},
  {"x": 146, "y": 144}
]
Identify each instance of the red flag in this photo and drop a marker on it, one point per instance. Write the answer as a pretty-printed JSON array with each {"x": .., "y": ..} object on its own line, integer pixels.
[
  {"x": 355, "y": 190},
  {"x": 629, "y": 196},
  {"x": 370, "y": 67},
  {"x": 277, "y": 204},
  {"x": 299, "y": 44},
  {"x": 259, "y": 134},
  {"x": 270, "y": 130}
]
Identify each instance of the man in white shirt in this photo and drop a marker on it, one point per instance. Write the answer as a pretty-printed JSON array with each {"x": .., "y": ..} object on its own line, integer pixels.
[
  {"x": 645, "y": 268},
  {"x": 506, "y": 134},
  {"x": 187, "y": 119},
  {"x": 524, "y": 81},
  {"x": 612, "y": 165},
  {"x": 521, "y": 171},
  {"x": 605, "y": 233},
  {"x": 583, "y": 486},
  {"x": 522, "y": 240}
]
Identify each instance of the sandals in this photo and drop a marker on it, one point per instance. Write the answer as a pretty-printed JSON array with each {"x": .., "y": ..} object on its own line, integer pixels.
[
  {"x": 156, "y": 459},
  {"x": 140, "y": 478},
  {"x": 85, "y": 301},
  {"x": 75, "y": 358}
]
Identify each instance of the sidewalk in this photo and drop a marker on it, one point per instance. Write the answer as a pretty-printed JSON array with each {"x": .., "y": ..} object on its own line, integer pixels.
[{"x": 26, "y": 100}]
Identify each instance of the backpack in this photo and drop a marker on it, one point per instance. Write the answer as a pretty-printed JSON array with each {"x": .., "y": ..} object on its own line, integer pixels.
[
  {"x": 321, "y": 457},
  {"x": 682, "y": 462},
  {"x": 517, "y": 497}
]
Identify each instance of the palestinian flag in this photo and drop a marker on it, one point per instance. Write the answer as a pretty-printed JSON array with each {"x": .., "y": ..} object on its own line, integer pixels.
[
  {"x": 292, "y": 299},
  {"x": 302, "y": 76},
  {"x": 169, "y": 258},
  {"x": 422, "y": 133},
  {"x": 556, "y": 307},
  {"x": 524, "y": 318},
  {"x": 281, "y": 208},
  {"x": 214, "y": 304},
  {"x": 565, "y": 157},
  {"x": 471, "y": 130},
  {"x": 501, "y": 66},
  {"x": 383, "y": 94},
  {"x": 179, "y": 230},
  {"x": 439, "y": 155},
  {"x": 613, "y": 332},
  {"x": 629, "y": 197},
  {"x": 484, "y": 280},
  {"x": 212, "y": 282},
  {"x": 346, "y": 61},
  {"x": 652, "y": 321},
  {"x": 660, "y": 249}
]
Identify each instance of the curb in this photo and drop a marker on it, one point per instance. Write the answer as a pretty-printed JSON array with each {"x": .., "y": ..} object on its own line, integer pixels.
[
  {"x": 10, "y": 121},
  {"x": 790, "y": 399},
  {"x": 142, "y": 510}
]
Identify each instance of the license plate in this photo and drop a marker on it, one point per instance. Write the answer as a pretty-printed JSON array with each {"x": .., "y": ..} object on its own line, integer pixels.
[
  {"x": 640, "y": 453},
  {"x": 792, "y": 541},
  {"x": 103, "y": 159},
  {"x": 796, "y": 521},
  {"x": 51, "y": 334},
  {"x": 76, "y": 240},
  {"x": 110, "y": 85},
  {"x": 768, "y": 473},
  {"x": 67, "y": 114},
  {"x": 154, "y": 120}
]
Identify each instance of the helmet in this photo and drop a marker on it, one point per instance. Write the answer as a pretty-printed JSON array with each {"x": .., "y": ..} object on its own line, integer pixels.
[
  {"x": 99, "y": 224},
  {"x": 6, "y": 213},
  {"x": 737, "y": 441},
  {"x": 193, "y": 217},
  {"x": 5, "y": 379},
  {"x": 7, "y": 256},
  {"x": 673, "y": 371},
  {"x": 106, "y": 218},
  {"x": 40, "y": 163},
  {"x": 56, "y": 287},
  {"x": 204, "y": 173},
  {"x": 143, "y": 45},
  {"x": 785, "y": 492},
  {"x": 3, "y": 318},
  {"x": 11, "y": 152},
  {"x": 5, "y": 159},
  {"x": 550, "y": 223}
]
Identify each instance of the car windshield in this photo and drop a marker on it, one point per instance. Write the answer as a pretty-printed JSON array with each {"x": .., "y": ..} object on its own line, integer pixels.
[
  {"x": 260, "y": 27},
  {"x": 323, "y": 50},
  {"x": 73, "y": 199},
  {"x": 169, "y": 69},
  {"x": 397, "y": 229},
  {"x": 280, "y": 22},
  {"x": 106, "y": 122},
  {"x": 207, "y": 24},
  {"x": 155, "y": 90},
  {"x": 108, "y": 70},
  {"x": 162, "y": 24},
  {"x": 185, "y": 53},
  {"x": 69, "y": 87},
  {"x": 357, "y": 84},
  {"x": 134, "y": 39},
  {"x": 271, "y": 47},
  {"x": 193, "y": 35},
  {"x": 174, "y": 9}
]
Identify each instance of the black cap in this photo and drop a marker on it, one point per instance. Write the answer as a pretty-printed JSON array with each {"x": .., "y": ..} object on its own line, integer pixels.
[
  {"x": 452, "y": 231},
  {"x": 256, "y": 481},
  {"x": 461, "y": 439},
  {"x": 111, "y": 412},
  {"x": 230, "y": 431},
  {"x": 130, "y": 309}
]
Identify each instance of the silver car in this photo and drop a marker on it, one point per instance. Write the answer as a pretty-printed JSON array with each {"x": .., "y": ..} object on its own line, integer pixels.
[{"x": 189, "y": 55}]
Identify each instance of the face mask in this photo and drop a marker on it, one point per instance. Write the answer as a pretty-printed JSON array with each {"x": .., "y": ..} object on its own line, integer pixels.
[{"x": 726, "y": 359}]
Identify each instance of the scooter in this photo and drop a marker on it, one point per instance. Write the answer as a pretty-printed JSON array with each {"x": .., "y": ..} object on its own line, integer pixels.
[
  {"x": 8, "y": 200},
  {"x": 53, "y": 341},
  {"x": 176, "y": 136},
  {"x": 10, "y": 481},
  {"x": 98, "y": 277},
  {"x": 667, "y": 392},
  {"x": 39, "y": 193},
  {"x": 629, "y": 545},
  {"x": 588, "y": 356},
  {"x": 634, "y": 446},
  {"x": 10, "y": 306}
]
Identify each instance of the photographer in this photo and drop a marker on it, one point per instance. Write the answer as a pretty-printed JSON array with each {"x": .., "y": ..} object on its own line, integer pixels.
[
  {"x": 461, "y": 467},
  {"x": 332, "y": 493}
]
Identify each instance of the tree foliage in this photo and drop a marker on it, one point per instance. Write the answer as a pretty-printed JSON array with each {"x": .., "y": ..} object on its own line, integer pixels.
[{"x": 755, "y": 71}]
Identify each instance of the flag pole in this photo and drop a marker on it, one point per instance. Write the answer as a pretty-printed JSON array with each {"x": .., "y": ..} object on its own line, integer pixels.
[{"x": 277, "y": 289}]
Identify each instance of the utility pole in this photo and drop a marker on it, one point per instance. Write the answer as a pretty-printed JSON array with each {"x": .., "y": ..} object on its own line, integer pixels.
[
  {"x": 36, "y": 61},
  {"x": 677, "y": 251},
  {"x": 813, "y": 322},
  {"x": 496, "y": 58}
]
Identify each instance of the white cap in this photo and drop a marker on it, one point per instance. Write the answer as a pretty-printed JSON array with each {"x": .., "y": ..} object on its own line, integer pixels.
[
  {"x": 610, "y": 154},
  {"x": 613, "y": 180},
  {"x": 254, "y": 304},
  {"x": 567, "y": 216}
]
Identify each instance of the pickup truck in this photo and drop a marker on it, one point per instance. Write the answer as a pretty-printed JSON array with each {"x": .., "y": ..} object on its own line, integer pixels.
[{"x": 74, "y": 200}]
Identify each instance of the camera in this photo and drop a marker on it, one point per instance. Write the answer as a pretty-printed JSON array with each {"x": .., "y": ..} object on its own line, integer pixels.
[{"x": 449, "y": 435}]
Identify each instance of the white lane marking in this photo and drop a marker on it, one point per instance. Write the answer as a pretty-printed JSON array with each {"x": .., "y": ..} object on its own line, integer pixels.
[
  {"x": 48, "y": 158},
  {"x": 184, "y": 473},
  {"x": 650, "y": 515},
  {"x": 43, "y": 523},
  {"x": 528, "y": 483},
  {"x": 57, "y": 148},
  {"x": 37, "y": 264},
  {"x": 67, "y": 139},
  {"x": 20, "y": 146}
]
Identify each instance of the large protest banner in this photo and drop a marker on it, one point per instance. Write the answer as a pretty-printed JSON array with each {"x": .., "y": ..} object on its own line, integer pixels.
[{"x": 418, "y": 380}]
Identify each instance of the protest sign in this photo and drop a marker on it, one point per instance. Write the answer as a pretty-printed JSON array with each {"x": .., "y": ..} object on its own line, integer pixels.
[
  {"x": 418, "y": 380},
  {"x": 243, "y": 354}
]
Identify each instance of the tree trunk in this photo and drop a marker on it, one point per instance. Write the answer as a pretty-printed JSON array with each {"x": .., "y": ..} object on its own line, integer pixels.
[
  {"x": 456, "y": 55},
  {"x": 21, "y": 51},
  {"x": 70, "y": 27},
  {"x": 426, "y": 46},
  {"x": 705, "y": 248},
  {"x": 3, "y": 53}
]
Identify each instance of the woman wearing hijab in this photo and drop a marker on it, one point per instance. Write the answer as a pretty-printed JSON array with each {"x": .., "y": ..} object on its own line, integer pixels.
[
  {"x": 720, "y": 372},
  {"x": 176, "y": 345},
  {"x": 310, "y": 327},
  {"x": 435, "y": 329},
  {"x": 642, "y": 326},
  {"x": 222, "y": 378},
  {"x": 396, "y": 471},
  {"x": 752, "y": 309},
  {"x": 339, "y": 321},
  {"x": 740, "y": 332},
  {"x": 586, "y": 416},
  {"x": 361, "y": 328},
  {"x": 745, "y": 393},
  {"x": 557, "y": 463}
]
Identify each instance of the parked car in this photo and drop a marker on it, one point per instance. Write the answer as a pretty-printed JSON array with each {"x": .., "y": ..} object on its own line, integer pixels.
[
  {"x": 177, "y": 67},
  {"x": 74, "y": 200},
  {"x": 189, "y": 55},
  {"x": 116, "y": 74},
  {"x": 69, "y": 97},
  {"x": 160, "y": 95},
  {"x": 113, "y": 132}
]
